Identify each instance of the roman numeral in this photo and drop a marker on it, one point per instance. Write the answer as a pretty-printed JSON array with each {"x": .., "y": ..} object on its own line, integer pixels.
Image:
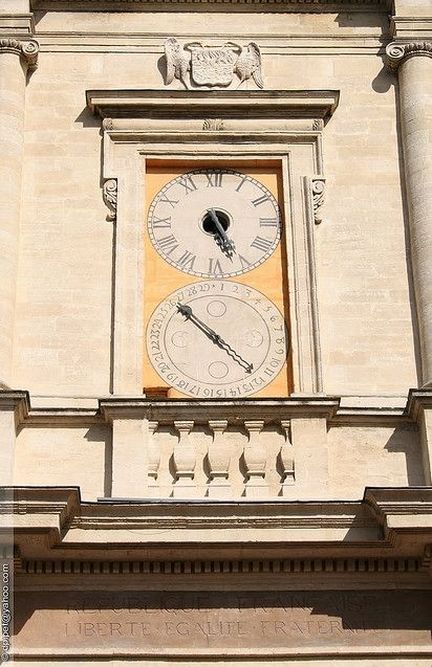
[
  {"x": 243, "y": 261},
  {"x": 187, "y": 260},
  {"x": 269, "y": 222},
  {"x": 167, "y": 244},
  {"x": 166, "y": 200},
  {"x": 242, "y": 182},
  {"x": 261, "y": 244},
  {"x": 161, "y": 223},
  {"x": 214, "y": 180},
  {"x": 260, "y": 200},
  {"x": 214, "y": 266},
  {"x": 187, "y": 183}
]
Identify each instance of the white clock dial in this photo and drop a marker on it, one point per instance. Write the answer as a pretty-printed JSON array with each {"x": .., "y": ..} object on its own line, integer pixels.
[
  {"x": 217, "y": 339},
  {"x": 214, "y": 223}
]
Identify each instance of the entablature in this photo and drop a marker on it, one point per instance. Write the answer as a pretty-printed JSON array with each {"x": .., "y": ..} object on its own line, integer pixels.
[
  {"x": 386, "y": 523},
  {"x": 215, "y": 5}
]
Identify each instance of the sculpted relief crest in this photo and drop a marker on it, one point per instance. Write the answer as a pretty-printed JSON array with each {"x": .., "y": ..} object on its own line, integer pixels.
[{"x": 196, "y": 65}]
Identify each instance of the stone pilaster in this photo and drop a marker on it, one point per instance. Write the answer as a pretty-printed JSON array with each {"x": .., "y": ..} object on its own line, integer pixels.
[
  {"x": 129, "y": 460},
  {"x": 14, "y": 407},
  {"x": 419, "y": 408},
  {"x": 16, "y": 57},
  {"x": 413, "y": 64}
]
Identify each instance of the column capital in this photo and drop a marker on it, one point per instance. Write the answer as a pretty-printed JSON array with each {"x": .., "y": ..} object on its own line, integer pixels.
[
  {"x": 27, "y": 50},
  {"x": 397, "y": 53}
]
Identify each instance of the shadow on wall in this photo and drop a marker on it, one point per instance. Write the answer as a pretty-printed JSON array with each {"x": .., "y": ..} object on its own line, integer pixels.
[
  {"x": 383, "y": 81},
  {"x": 363, "y": 20},
  {"x": 404, "y": 441},
  {"x": 97, "y": 434}
]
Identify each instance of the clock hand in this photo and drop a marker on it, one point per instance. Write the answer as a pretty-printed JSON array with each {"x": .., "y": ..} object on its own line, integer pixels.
[
  {"x": 226, "y": 245},
  {"x": 187, "y": 312}
]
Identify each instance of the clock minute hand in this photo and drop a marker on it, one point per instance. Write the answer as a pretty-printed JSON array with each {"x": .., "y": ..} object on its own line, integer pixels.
[
  {"x": 187, "y": 312},
  {"x": 226, "y": 245}
]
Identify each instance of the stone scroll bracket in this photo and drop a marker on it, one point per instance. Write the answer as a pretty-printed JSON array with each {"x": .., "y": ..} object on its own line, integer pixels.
[
  {"x": 318, "y": 185},
  {"x": 110, "y": 190}
]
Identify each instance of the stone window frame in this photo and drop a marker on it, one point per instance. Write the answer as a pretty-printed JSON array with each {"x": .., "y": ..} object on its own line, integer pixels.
[{"x": 285, "y": 126}]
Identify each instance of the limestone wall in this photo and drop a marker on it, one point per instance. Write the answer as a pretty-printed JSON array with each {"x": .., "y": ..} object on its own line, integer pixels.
[
  {"x": 63, "y": 314},
  {"x": 315, "y": 463}
]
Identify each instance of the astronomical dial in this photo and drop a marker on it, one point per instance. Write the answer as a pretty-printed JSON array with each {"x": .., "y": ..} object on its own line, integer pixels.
[
  {"x": 217, "y": 339},
  {"x": 214, "y": 223}
]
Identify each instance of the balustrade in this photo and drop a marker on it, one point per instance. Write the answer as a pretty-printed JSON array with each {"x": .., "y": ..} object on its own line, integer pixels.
[{"x": 216, "y": 460}]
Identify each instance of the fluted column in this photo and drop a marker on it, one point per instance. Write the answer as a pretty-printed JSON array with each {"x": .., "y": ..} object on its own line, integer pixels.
[
  {"x": 16, "y": 57},
  {"x": 413, "y": 63}
]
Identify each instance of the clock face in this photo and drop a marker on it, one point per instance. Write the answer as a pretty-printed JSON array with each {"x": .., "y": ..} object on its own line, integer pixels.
[
  {"x": 217, "y": 339},
  {"x": 214, "y": 223}
]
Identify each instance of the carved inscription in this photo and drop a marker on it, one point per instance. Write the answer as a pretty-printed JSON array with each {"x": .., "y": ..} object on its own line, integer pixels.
[{"x": 145, "y": 622}]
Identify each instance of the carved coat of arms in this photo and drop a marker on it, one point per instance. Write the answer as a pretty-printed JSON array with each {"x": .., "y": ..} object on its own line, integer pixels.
[{"x": 197, "y": 65}]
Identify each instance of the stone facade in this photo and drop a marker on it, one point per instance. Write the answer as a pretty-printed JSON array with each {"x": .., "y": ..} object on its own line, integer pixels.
[{"x": 278, "y": 529}]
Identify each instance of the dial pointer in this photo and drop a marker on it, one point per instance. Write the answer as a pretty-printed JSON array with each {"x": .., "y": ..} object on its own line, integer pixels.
[
  {"x": 187, "y": 312},
  {"x": 225, "y": 244}
]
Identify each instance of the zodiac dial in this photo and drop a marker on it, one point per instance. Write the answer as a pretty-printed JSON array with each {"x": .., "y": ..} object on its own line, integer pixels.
[
  {"x": 214, "y": 223},
  {"x": 217, "y": 339}
]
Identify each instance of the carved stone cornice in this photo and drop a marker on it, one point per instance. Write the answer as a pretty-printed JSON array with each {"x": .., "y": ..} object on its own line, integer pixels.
[
  {"x": 388, "y": 522},
  {"x": 127, "y": 110},
  {"x": 17, "y": 402},
  {"x": 397, "y": 53},
  {"x": 290, "y": 5},
  {"x": 418, "y": 400},
  {"x": 27, "y": 50}
]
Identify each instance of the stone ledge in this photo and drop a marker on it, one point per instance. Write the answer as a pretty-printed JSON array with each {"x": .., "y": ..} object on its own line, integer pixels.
[
  {"x": 286, "y": 5},
  {"x": 338, "y": 411},
  {"x": 388, "y": 522},
  {"x": 165, "y": 411},
  {"x": 170, "y": 103}
]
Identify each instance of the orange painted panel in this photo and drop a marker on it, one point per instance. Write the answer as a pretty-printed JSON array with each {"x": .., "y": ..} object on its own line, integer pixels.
[{"x": 161, "y": 279}]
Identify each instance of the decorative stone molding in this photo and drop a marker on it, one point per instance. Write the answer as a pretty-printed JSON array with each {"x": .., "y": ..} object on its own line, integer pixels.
[
  {"x": 396, "y": 519},
  {"x": 110, "y": 197},
  {"x": 397, "y": 53},
  {"x": 107, "y": 124},
  {"x": 318, "y": 192},
  {"x": 126, "y": 110},
  {"x": 347, "y": 566},
  {"x": 418, "y": 400},
  {"x": 213, "y": 124},
  {"x": 292, "y": 5},
  {"x": 28, "y": 51},
  {"x": 212, "y": 66},
  {"x": 17, "y": 402}
]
